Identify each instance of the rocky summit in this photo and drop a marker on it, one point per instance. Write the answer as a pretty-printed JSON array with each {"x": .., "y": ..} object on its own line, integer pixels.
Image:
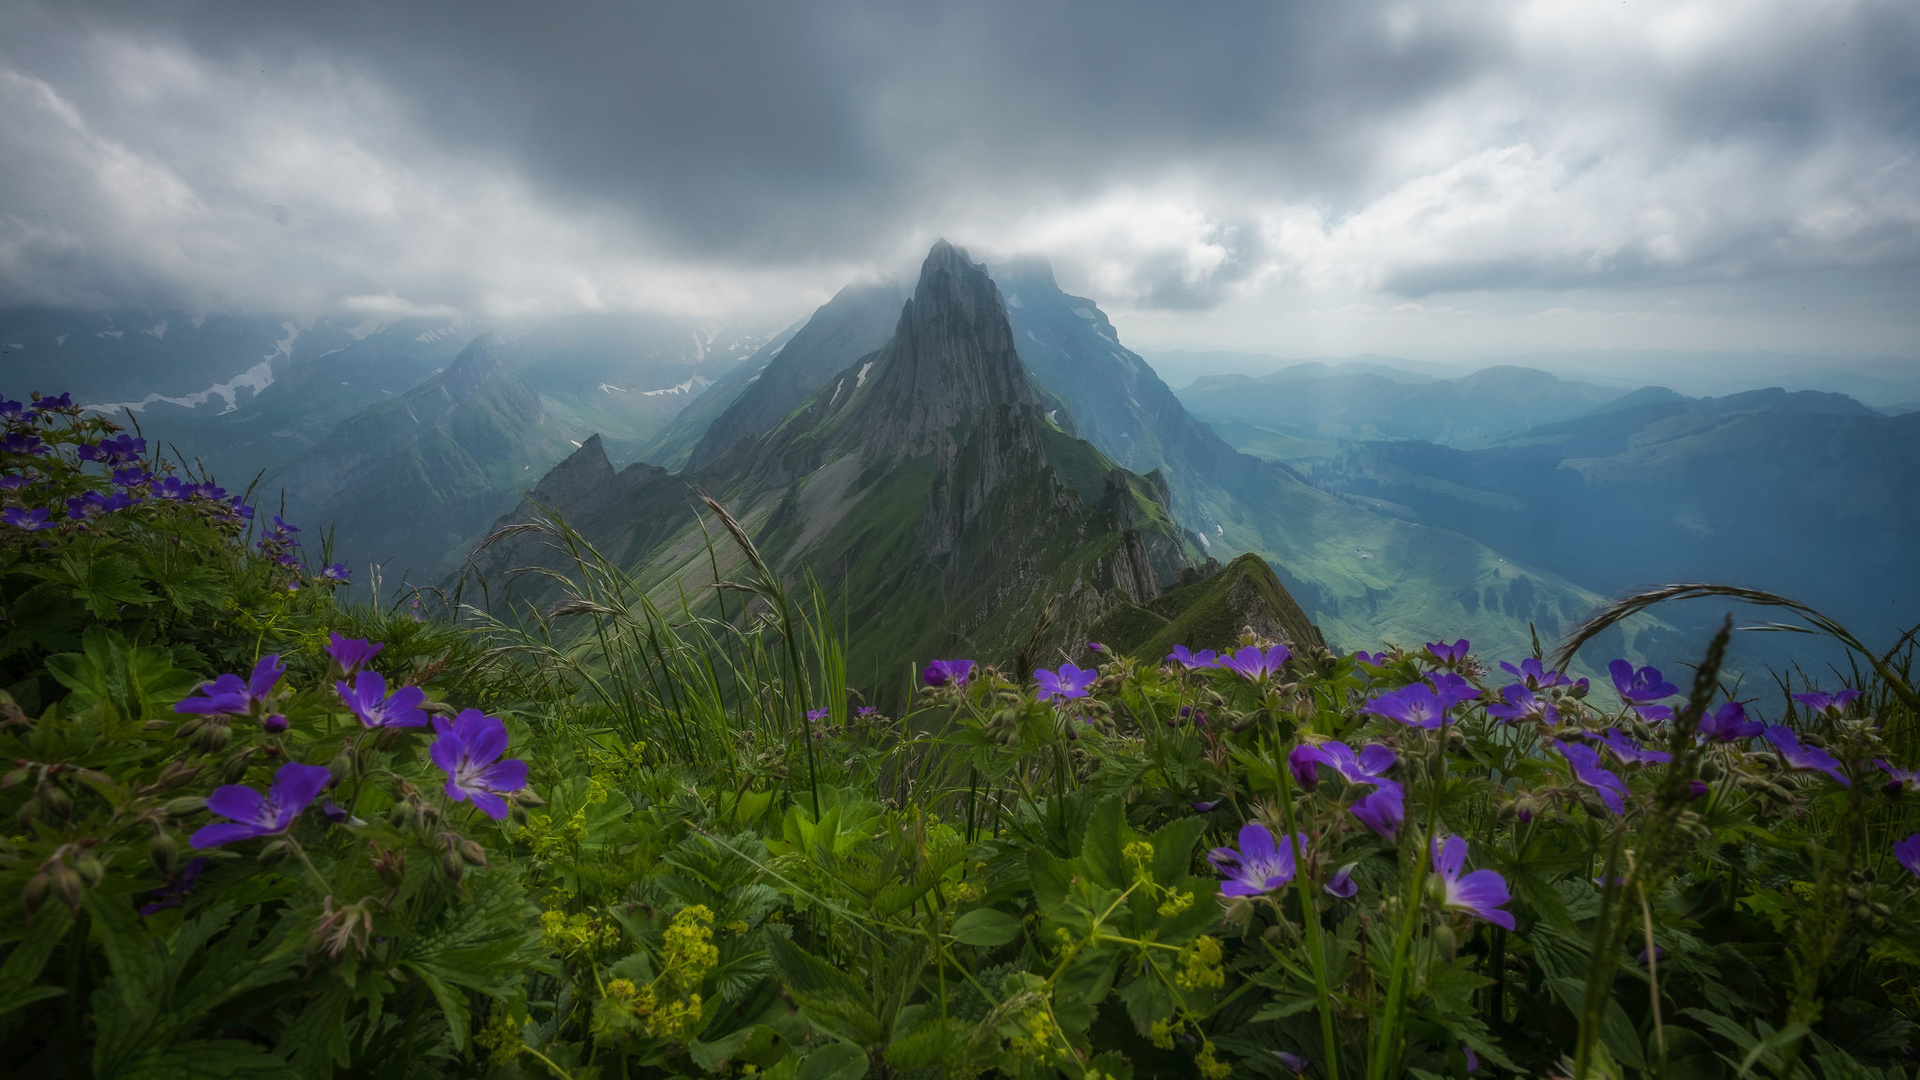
[{"x": 934, "y": 495}]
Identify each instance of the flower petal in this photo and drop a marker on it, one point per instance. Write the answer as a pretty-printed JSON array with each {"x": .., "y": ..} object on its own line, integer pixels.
[
  {"x": 238, "y": 802},
  {"x": 225, "y": 832}
]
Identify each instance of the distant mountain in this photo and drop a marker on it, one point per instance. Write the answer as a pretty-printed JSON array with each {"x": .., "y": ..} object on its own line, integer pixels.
[
  {"x": 1365, "y": 402},
  {"x": 131, "y": 356},
  {"x": 1808, "y": 494},
  {"x": 922, "y": 484},
  {"x": 1362, "y": 575},
  {"x": 410, "y": 482}
]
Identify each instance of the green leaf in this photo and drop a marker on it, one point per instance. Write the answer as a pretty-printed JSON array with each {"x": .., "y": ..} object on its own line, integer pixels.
[
  {"x": 986, "y": 927},
  {"x": 25, "y": 962},
  {"x": 834, "y": 1061}
]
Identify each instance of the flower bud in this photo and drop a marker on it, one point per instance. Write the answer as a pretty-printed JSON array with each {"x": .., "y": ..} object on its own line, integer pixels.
[
  {"x": 57, "y": 802},
  {"x": 175, "y": 774},
  {"x": 473, "y": 853},
  {"x": 391, "y": 865},
  {"x": 340, "y": 768},
  {"x": 164, "y": 853},
  {"x": 1710, "y": 770},
  {"x": 213, "y": 736},
  {"x": 184, "y": 805},
  {"x": 66, "y": 886},
  {"x": 90, "y": 870},
  {"x": 235, "y": 768},
  {"x": 274, "y": 724},
  {"x": 35, "y": 893},
  {"x": 1446, "y": 941},
  {"x": 453, "y": 865},
  {"x": 526, "y": 797}
]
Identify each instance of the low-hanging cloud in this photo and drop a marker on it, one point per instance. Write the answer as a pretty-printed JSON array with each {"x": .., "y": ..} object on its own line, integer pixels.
[{"x": 506, "y": 161}]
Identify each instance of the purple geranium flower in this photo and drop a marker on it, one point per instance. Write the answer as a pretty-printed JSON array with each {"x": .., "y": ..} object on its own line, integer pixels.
[
  {"x": 1066, "y": 684},
  {"x": 368, "y": 699},
  {"x": 1729, "y": 723},
  {"x": 943, "y": 672},
  {"x": 1585, "y": 762},
  {"x": 1422, "y": 705},
  {"x": 176, "y": 888},
  {"x": 351, "y": 653},
  {"x": 1448, "y": 654},
  {"x": 1521, "y": 703},
  {"x": 1535, "y": 674},
  {"x": 118, "y": 450},
  {"x": 1804, "y": 757},
  {"x": 1628, "y": 751},
  {"x": 31, "y": 520},
  {"x": 1260, "y": 866},
  {"x": 15, "y": 442},
  {"x": 1366, "y": 767},
  {"x": 1384, "y": 809},
  {"x": 1205, "y": 806},
  {"x": 228, "y": 696},
  {"x": 1819, "y": 701},
  {"x": 1898, "y": 779},
  {"x": 131, "y": 476},
  {"x": 61, "y": 401},
  {"x": 1341, "y": 884},
  {"x": 1452, "y": 689},
  {"x": 1250, "y": 663},
  {"x": 817, "y": 714},
  {"x": 1293, "y": 1063},
  {"x": 1479, "y": 894},
  {"x": 1378, "y": 659},
  {"x": 1192, "y": 661},
  {"x": 1642, "y": 687},
  {"x": 172, "y": 488},
  {"x": 1907, "y": 853},
  {"x": 336, "y": 572},
  {"x": 253, "y": 814},
  {"x": 468, "y": 751}
]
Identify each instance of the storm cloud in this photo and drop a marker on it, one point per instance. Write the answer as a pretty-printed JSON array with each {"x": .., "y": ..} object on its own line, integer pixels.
[{"x": 507, "y": 160}]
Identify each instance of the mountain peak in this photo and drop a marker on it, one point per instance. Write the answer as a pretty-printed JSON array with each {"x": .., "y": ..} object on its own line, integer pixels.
[{"x": 951, "y": 361}]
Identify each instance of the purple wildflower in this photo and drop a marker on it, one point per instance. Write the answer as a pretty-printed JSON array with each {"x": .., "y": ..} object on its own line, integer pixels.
[
  {"x": 865, "y": 711},
  {"x": 1898, "y": 779},
  {"x": 1628, "y": 751},
  {"x": 11, "y": 410},
  {"x": 1653, "y": 714},
  {"x": 1094, "y": 646},
  {"x": 1255, "y": 666},
  {"x": 283, "y": 526},
  {"x": 817, "y": 714},
  {"x": 1192, "y": 661},
  {"x": 227, "y": 695},
  {"x": 1384, "y": 809},
  {"x": 335, "y": 813},
  {"x": 253, "y": 814},
  {"x": 1535, "y": 675},
  {"x": 1729, "y": 723},
  {"x": 1479, "y": 894},
  {"x": 351, "y": 653},
  {"x": 1642, "y": 687},
  {"x": 336, "y": 572},
  {"x": 1378, "y": 659},
  {"x": 468, "y": 751},
  {"x": 176, "y": 888},
  {"x": 1521, "y": 703},
  {"x": 131, "y": 476},
  {"x": 1205, "y": 807},
  {"x": 14, "y": 482},
  {"x": 1260, "y": 866},
  {"x": 1907, "y": 853},
  {"x": 944, "y": 672},
  {"x": 368, "y": 699},
  {"x": 1585, "y": 762},
  {"x": 1804, "y": 757},
  {"x": 172, "y": 488},
  {"x": 1697, "y": 789},
  {"x": 1819, "y": 701},
  {"x": 15, "y": 442},
  {"x": 119, "y": 450},
  {"x": 1422, "y": 705},
  {"x": 1473, "y": 1060},
  {"x": 1366, "y": 767},
  {"x": 31, "y": 520},
  {"x": 1341, "y": 884},
  {"x": 1066, "y": 684},
  {"x": 1293, "y": 1063},
  {"x": 1448, "y": 654},
  {"x": 274, "y": 724}
]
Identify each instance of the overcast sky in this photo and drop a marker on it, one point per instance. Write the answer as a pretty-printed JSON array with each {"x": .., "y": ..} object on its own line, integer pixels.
[{"x": 1429, "y": 179}]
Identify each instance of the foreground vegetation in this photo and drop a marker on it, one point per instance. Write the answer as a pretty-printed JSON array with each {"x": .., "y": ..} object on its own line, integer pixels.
[{"x": 256, "y": 832}]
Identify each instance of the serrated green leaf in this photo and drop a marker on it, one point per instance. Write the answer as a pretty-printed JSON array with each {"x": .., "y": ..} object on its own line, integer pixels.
[{"x": 986, "y": 928}]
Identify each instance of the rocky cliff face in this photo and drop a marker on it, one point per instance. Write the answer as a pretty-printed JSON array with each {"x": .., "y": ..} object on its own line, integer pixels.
[{"x": 922, "y": 485}]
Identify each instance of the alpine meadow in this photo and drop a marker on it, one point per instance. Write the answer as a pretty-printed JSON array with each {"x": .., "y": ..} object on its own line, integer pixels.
[{"x": 1392, "y": 551}]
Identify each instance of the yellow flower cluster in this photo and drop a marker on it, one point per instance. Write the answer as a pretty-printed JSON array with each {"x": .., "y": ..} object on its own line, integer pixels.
[
  {"x": 1200, "y": 966},
  {"x": 1177, "y": 901},
  {"x": 501, "y": 1037},
  {"x": 690, "y": 952},
  {"x": 548, "y": 841},
  {"x": 572, "y": 934},
  {"x": 1211, "y": 1068},
  {"x": 1042, "y": 1040}
]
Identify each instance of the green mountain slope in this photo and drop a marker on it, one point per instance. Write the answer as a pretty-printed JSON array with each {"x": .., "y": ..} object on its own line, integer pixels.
[{"x": 923, "y": 487}]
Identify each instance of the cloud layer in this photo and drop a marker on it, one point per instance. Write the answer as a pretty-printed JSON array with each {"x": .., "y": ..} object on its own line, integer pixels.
[{"x": 1483, "y": 161}]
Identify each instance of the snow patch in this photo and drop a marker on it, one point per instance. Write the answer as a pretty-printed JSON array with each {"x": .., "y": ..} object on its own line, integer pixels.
[
  {"x": 59, "y": 340},
  {"x": 1203, "y": 540},
  {"x": 158, "y": 332},
  {"x": 254, "y": 379},
  {"x": 836, "y": 393},
  {"x": 576, "y": 445},
  {"x": 608, "y": 388},
  {"x": 858, "y": 380},
  {"x": 440, "y": 334},
  {"x": 1083, "y": 312},
  {"x": 1013, "y": 301},
  {"x": 687, "y": 387},
  {"x": 114, "y": 334}
]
